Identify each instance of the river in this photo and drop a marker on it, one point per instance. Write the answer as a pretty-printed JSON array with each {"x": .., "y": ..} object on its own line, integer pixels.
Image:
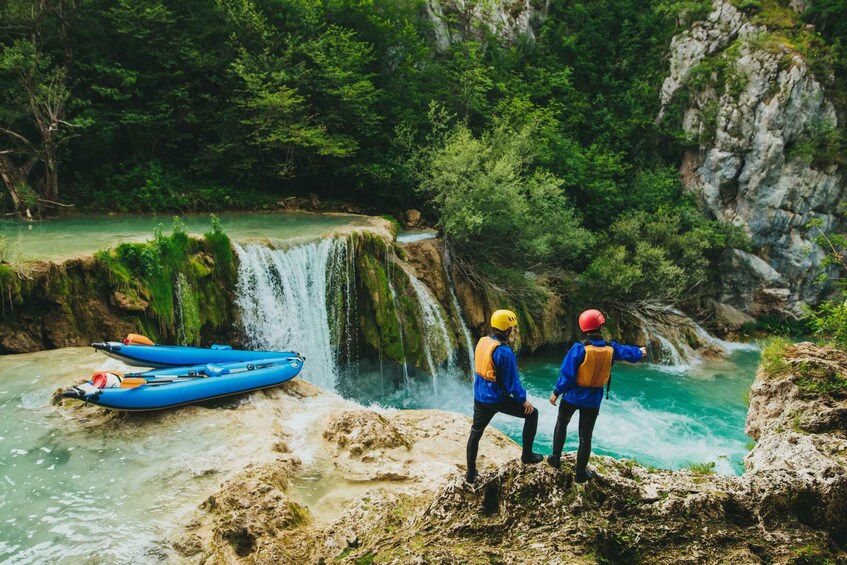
[{"x": 112, "y": 491}]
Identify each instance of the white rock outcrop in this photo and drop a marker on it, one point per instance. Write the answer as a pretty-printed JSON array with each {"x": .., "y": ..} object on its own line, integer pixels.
[
  {"x": 462, "y": 19},
  {"x": 747, "y": 170}
]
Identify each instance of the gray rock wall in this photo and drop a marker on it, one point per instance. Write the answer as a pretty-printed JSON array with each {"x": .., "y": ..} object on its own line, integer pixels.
[
  {"x": 457, "y": 19},
  {"x": 748, "y": 112}
]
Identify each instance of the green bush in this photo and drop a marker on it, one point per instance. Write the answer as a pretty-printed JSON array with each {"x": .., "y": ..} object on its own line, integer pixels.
[
  {"x": 829, "y": 321},
  {"x": 667, "y": 255},
  {"x": 773, "y": 361},
  {"x": 496, "y": 207},
  {"x": 702, "y": 468}
]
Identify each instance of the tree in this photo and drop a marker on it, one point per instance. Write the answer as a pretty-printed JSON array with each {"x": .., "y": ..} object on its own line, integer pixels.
[
  {"x": 496, "y": 207},
  {"x": 34, "y": 81}
]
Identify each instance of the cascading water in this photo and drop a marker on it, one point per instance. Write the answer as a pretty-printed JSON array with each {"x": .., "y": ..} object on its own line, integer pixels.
[
  {"x": 303, "y": 298},
  {"x": 282, "y": 294},
  {"x": 437, "y": 332},
  {"x": 389, "y": 266},
  {"x": 455, "y": 301}
]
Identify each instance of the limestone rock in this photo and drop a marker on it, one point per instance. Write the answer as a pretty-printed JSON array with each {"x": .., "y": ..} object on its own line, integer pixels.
[
  {"x": 129, "y": 303},
  {"x": 393, "y": 491},
  {"x": 747, "y": 170},
  {"x": 413, "y": 218},
  {"x": 798, "y": 413},
  {"x": 454, "y": 20}
]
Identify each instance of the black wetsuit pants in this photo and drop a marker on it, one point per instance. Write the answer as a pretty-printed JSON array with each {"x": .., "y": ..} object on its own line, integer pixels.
[
  {"x": 482, "y": 415},
  {"x": 587, "y": 418}
]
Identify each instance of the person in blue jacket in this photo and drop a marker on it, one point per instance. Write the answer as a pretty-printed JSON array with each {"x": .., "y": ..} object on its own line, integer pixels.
[
  {"x": 497, "y": 388},
  {"x": 586, "y": 369}
]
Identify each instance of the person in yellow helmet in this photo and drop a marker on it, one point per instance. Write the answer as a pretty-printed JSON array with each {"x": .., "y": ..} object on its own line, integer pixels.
[{"x": 497, "y": 388}]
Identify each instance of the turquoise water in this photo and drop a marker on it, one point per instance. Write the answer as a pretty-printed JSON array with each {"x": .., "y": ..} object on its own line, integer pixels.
[
  {"x": 111, "y": 492},
  {"x": 105, "y": 492},
  {"x": 660, "y": 416},
  {"x": 67, "y": 237}
]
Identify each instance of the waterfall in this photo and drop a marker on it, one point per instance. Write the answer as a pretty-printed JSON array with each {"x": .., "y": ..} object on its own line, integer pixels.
[
  {"x": 282, "y": 294},
  {"x": 394, "y": 302},
  {"x": 455, "y": 300},
  {"x": 303, "y": 298},
  {"x": 435, "y": 327},
  {"x": 670, "y": 354}
]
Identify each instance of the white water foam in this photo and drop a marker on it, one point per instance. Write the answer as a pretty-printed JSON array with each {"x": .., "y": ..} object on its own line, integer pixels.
[
  {"x": 436, "y": 331},
  {"x": 282, "y": 294},
  {"x": 455, "y": 301}
]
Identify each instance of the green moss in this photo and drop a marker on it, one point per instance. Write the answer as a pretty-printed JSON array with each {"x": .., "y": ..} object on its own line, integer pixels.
[
  {"x": 818, "y": 381},
  {"x": 810, "y": 555},
  {"x": 10, "y": 287},
  {"x": 299, "y": 515},
  {"x": 173, "y": 274},
  {"x": 381, "y": 330}
]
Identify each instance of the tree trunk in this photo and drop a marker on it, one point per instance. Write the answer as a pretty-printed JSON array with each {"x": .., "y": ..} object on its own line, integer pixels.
[{"x": 14, "y": 176}]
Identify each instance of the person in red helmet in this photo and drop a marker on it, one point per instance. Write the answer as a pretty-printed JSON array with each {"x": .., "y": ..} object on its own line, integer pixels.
[{"x": 586, "y": 369}]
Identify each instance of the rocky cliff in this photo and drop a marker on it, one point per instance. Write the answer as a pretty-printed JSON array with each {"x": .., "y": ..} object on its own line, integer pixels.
[
  {"x": 468, "y": 19},
  {"x": 392, "y": 491},
  {"x": 758, "y": 123}
]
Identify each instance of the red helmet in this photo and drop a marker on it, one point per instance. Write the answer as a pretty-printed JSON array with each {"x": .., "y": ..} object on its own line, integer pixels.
[{"x": 591, "y": 320}]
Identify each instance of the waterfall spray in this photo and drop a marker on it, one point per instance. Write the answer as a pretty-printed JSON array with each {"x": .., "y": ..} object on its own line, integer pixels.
[
  {"x": 282, "y": 294},
  {"x": 435, "y": 329},
  {"x": 458, "y": 309}
]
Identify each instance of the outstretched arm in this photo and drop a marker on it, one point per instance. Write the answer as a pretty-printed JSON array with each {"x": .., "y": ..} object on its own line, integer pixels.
[{"x": 629, "y": 353}]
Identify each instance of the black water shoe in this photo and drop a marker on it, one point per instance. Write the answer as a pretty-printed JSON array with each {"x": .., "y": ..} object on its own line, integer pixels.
[
  {"x": 583, "y": 477},
  {"x": 554, "y": 461},
  {"x": 532, "y": 458},
  {"x": 471, "y": 477}
]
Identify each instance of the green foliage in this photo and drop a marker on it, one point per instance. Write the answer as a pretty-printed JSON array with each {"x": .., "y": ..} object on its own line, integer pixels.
[
  {"x": 167, "y": 274},
  {"x": 10, "y": 287},
  {"x": 663, "y": 255},
  {"x": 829, "y": 321},
  {"x": 220, "y": 247},
  {"x": 821, "y": 144},
  {"x": 811, "y": 555},
  {"x": 495, "y": 206},
  {"x": 817, "y": 381}
]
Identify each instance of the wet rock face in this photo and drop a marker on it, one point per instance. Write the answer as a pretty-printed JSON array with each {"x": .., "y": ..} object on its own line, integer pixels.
[{"x": 749, "y": 169}]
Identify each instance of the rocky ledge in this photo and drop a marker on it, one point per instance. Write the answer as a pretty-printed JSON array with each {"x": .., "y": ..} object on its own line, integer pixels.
[{"x": 387, "y": 488}]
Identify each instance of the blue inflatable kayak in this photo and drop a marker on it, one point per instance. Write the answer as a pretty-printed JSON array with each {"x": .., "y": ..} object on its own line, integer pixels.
[
  {"x": 181, "y": 356},
  {"x": 175, "y": 386}
]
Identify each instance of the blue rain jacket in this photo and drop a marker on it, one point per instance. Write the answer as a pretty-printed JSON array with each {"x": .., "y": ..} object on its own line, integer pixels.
[
  {"x": 506, "y": 365},
  {"x": 581, "y": 395}
]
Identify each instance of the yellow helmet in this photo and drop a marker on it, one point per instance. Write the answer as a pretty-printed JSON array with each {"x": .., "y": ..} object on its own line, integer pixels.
[{"x": 504, "y": 319}]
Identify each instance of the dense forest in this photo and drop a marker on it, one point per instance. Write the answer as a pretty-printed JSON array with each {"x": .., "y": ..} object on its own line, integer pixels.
[{"x": 539, "y": 151}]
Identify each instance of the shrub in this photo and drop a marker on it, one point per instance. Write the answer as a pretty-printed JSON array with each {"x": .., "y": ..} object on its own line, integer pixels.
[{"x": 496, "y": 207}]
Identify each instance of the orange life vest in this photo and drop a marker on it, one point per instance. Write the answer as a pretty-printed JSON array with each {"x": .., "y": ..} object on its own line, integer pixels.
[
  {"x": 596, "y": 369},
  {"x": 483, "y": 361}
]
